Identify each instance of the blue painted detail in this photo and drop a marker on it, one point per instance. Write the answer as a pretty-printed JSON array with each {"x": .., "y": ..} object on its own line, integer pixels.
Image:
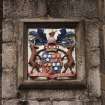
[
  {"x": 33, "y": 33},
  {"x": 64, "y": 35},
  {"x": 67, "y": 42},
  {"x": 40, "y": 36},
  {"x": 44, "y": 55},
  {"x": 56, "y": 68},
  {"x": 49, "y": 56}
]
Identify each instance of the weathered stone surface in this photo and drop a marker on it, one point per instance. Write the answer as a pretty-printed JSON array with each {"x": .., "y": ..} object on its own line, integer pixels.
[
  {"x": 92, "y": 103},
  {"x": 73, "y": 8},
  {"x": 55, "y": 94},
  {"x": 8, "y": 30},
  {"x": 9, "y": 55},
  {"x": 45, "y": 103},
  {"x": 93, "y": 58},
  {"x": 24, "y": 8},
  {"x": 33, "y": 102},
  {"x": 103, "y": 97},
  {"x": 91, "y": 34},
  {"x": 42, "y": 8},
  {"x": 8, "y": 8},
  {"x": 66, "y": 8},
  {"x": 8, "y": 84},
  {"x": 94, "y": 87},
  {"x": 90, "y": 9},
  {"x": 104, "y": 10},
  {"x": 39, "y": 102},
  {"x": 104, "y": 39},
  {"x": 10, "y": 102},
  {"x": 67, "y": 103}
]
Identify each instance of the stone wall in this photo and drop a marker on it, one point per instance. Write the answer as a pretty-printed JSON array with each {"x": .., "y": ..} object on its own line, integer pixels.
[
  {"x": 91, "y": 11},
  {"x": 1, "y": 14}
]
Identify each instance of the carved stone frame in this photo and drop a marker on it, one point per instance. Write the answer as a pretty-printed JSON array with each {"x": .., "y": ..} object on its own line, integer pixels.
[{"x": 79, "y": 82}]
